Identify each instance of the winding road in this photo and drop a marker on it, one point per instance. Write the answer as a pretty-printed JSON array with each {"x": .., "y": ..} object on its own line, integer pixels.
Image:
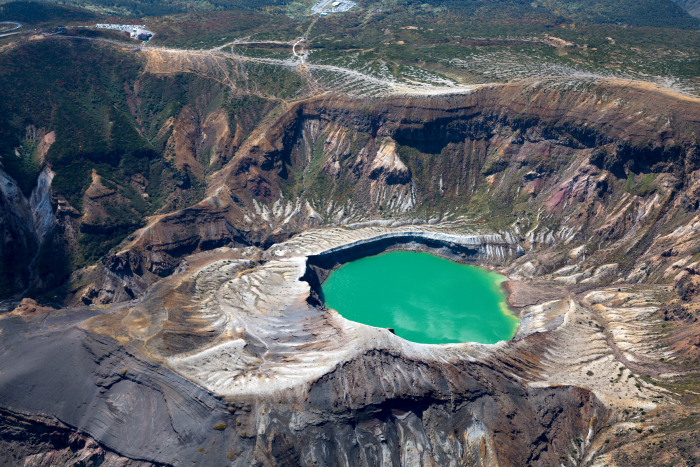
[
  {"x": 334, "y": 78},
  {"x": 342, "y": 78},
  {"x": 301, "y": 55},
  {"x": 10, "y": 31}
]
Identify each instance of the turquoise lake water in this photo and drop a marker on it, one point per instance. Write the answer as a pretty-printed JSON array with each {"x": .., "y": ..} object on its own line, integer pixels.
[{"x": 425, "y": 298}]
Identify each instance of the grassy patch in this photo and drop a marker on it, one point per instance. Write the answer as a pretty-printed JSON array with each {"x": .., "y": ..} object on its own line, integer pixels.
[{"x": 641, "y": 185}]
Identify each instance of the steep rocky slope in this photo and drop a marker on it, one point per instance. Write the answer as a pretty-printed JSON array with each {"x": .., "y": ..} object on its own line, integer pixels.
[
  {"x": 496, "y": 153},
  {"x": 199, "y": 338},
  {"x": 596, "y": 166},
  {"x": 232, "y": 362}
]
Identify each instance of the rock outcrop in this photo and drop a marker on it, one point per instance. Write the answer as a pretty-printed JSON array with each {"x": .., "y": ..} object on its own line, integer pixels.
[
  {"x": 301, "y": 384},
  {"x": 210, "y": 346},
  {"x": 233, "y": 364},
  {"x": 18, "y": 241},
  {"x": 604, "y": 178}
]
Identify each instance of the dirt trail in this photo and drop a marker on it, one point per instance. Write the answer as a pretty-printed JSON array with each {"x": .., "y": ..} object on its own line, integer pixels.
[
  {"x": 11, "y": 31},
  {"x": 331, "y": 78}
]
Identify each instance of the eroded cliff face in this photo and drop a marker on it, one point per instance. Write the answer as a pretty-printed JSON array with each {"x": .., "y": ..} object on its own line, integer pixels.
[
  {"x": 583, "y": 192},
  {"x": 595, "y": 166},
  {"x": 234, "y": 340},
  {"x": 18, "y": 242},
  {"x": 36, "y": 441},
  {"x": 34, "y": 227}
]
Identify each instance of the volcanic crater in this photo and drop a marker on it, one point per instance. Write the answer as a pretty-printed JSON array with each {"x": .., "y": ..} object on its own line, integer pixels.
[{"x": 206, "y": 331}]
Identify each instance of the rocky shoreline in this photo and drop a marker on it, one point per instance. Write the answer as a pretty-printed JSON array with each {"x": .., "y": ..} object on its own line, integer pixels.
[{"x": 491, "y": 249}]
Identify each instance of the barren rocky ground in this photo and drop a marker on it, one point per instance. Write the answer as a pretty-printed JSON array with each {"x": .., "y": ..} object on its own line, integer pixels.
[{"x": 198, "y": 336}]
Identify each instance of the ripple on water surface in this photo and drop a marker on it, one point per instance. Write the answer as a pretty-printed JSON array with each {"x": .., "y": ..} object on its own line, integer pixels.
[{"x": 425, "y": 298}]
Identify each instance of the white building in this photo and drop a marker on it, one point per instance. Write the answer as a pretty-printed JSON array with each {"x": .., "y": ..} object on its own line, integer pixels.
[
  {"x": 135, "y": 31},
  {"x": 140, "y": 34}
]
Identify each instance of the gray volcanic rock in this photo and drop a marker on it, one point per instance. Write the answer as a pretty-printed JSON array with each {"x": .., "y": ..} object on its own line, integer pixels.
[
  {"x": 216, "y": 351},
  {"x": 97, "y": 389},
  {"x": 18, "y": 243},
  {"x": 34, "y": 441},
  {"x": 298, "y": 385},
  {"x": 379, "y": 407}
]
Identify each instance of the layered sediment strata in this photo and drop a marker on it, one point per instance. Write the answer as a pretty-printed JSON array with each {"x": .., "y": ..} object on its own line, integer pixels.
[
  {"x": 602, "y": 163},
  {"x": 214, "y": 325},
  {"x": 233, "y": 339},
  {"x": 276, "y": 340},
  {"x": 271, "y": 338}
]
